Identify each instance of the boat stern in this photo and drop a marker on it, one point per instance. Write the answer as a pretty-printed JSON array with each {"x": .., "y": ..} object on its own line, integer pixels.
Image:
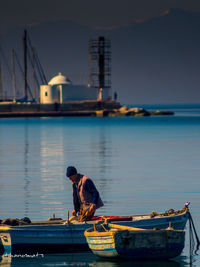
[{"x": 101, "y": 243}]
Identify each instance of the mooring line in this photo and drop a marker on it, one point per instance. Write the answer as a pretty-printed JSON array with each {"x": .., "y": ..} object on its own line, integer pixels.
[
  {"x": 191, "y": 239},
  {"x": 195, "y": 232}
]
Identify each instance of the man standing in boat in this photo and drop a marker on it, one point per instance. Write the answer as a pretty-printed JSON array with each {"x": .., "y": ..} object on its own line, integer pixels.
[{"x": 86, "y": 198}]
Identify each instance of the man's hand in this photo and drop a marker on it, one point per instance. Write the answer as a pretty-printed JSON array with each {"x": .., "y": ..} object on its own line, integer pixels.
[
  {"x": 92, "y": 208},
  {"x": 73, "y": 213}
]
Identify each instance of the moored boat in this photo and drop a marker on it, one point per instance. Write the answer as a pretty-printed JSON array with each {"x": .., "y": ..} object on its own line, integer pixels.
[
  {"x": 111, "y": 240},
  {"x": 66, "y": 236}
]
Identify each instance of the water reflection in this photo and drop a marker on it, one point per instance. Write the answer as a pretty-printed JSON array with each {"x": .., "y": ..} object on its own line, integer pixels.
[
  {"x": 104, "y": 151},
  {"x": 51, "y": 164},
  {"x": 129, "y": 263},
  {"x": 26, "y": 169},
  {"x": 82, "y": 259},
  {"x": 104, "y": 156}
]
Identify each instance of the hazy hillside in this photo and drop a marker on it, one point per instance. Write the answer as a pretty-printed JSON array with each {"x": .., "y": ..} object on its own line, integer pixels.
[{"x": 156, "y": 61}]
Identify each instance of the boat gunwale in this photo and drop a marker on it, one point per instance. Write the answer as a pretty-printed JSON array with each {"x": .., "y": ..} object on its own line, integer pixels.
[
  {"x": 120, "y": 228},
  {"x": 52, "y": 223},
  {"x": 159, "y": 216}
]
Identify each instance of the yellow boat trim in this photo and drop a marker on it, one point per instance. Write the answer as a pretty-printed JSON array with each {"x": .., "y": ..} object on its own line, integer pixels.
[
  {"x": 112, "y": 231},
  {"x": 123, "y": 227},
  {"x": 95, "y": 233},
  {"x": 5, "y": 228}
]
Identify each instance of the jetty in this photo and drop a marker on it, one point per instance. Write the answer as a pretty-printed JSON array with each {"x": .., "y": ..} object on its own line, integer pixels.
[
  {"x": 89, "y": 108},
  {"x": 60, "y": 96}
]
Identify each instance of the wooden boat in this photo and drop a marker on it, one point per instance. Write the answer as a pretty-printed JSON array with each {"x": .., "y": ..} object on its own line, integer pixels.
[
  {"x": 57, "y": 235},
  {"x": 112, "y": 240}
]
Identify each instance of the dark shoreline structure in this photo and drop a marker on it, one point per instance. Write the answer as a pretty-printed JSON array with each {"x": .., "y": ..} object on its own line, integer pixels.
[
  {"x": 56, "y": 98},
  {"x": 89, "y": 108}
]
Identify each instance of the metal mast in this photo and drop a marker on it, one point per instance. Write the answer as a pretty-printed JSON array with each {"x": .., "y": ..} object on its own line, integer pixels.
[
  {"x": 25, "y": 65},
  {"x": 100, "y": 65},
  {"x": 1, "y": 86},
  {"x": 13, "y": 74}
]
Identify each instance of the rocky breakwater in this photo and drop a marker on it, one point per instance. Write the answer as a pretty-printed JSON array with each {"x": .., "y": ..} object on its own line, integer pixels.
[
  {"x": 89, "y": 108},
  {"x": 126, "y": 111}
]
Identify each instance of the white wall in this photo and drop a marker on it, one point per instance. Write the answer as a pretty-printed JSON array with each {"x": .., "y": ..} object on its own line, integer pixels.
[
  {"x": 52, "y": 94},
  {"x": 46, "y": 94},
  {"x": 79, "y": 92}
]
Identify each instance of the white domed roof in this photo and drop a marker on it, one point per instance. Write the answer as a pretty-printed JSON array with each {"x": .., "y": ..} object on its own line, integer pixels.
[{"x": 59, "y": 79}]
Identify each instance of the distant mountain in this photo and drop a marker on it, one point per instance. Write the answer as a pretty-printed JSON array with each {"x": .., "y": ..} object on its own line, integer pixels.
[{"x": 154, "y": 61}]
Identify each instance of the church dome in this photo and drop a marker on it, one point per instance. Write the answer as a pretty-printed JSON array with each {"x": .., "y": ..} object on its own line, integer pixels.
[{"x": 59, "y": 79}]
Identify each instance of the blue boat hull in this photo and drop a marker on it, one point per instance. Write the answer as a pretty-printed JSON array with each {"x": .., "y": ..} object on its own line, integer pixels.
[
  {"x": 149, "y": 244},
  {"x": 111, "y": 240},
  {"x": 70, "y": 237},
  {"x": 168, "y": 252}
]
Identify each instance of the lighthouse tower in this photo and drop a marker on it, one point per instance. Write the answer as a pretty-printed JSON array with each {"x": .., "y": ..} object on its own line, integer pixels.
[{"x": 100, "y": 66}]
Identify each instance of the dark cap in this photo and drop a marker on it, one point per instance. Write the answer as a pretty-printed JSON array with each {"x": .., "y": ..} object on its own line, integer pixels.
[{"x": 71, "y": 170}]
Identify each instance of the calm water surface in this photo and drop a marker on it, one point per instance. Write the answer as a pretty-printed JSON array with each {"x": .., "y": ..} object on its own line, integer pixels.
[{"x": 139, "y": 165}]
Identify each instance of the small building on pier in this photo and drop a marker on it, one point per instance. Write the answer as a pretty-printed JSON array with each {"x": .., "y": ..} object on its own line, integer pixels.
[{"x": 60, "y": 89}]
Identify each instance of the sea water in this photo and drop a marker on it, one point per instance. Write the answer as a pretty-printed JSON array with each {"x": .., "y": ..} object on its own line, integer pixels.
[{"x": 138, "y": 164}]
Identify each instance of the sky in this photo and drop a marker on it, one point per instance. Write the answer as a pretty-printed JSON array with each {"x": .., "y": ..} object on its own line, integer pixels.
[
  {"x": 101, "y": 14},
  {"x": 161, "y": 67}
]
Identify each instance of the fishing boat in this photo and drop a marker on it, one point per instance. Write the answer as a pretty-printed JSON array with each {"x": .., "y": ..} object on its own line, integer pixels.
[
  {"x": 57, "y": 235},
  {"x": 112, "y": 240}
]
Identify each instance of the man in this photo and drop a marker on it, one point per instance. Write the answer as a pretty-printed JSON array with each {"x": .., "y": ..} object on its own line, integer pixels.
[{"x": 86, "y": 198}]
